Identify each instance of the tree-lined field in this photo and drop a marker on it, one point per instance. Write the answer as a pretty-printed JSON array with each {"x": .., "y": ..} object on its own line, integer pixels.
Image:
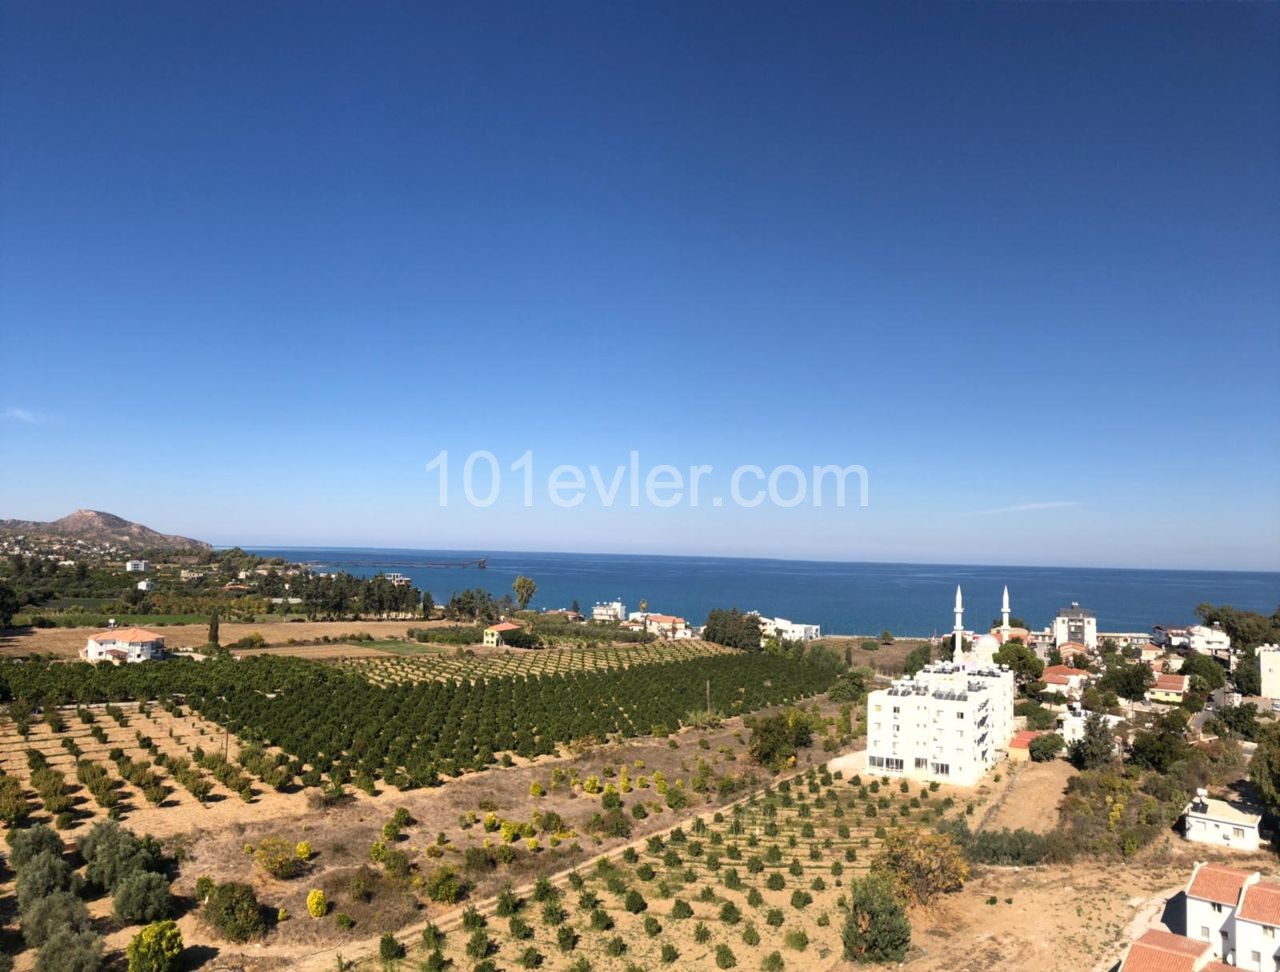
[
  {"x": 763, "y": 884},
  {"x": 326, "y": 726},
  {"x": 430, "y": 664}
]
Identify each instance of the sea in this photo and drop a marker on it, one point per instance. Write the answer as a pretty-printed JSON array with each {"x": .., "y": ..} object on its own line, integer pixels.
[{"x": 844, "y": 598}]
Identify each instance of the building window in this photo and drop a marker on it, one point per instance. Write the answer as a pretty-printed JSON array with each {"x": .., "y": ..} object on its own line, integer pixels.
[
  {"x": 923, "y": 761},
  {"x": 1237, "y": 833},
  {"x": 1268, "y": 931},
  {"x": 1217, "y": 908},
  {"x": 1204, "y": 932}
]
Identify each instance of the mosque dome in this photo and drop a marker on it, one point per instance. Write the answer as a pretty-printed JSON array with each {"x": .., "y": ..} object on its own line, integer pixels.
[{"x": 985, "y": 646}]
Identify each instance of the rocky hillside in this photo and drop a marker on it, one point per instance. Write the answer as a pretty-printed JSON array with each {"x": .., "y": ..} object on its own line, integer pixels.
[{"x": 93, "y": 526}]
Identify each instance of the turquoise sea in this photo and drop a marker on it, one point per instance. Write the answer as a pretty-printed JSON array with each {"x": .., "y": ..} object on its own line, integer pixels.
[{"x": 845, "y": 598}]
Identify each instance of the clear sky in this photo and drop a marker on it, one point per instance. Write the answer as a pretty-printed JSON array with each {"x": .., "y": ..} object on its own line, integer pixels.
[{"x": 259, "y": 263}]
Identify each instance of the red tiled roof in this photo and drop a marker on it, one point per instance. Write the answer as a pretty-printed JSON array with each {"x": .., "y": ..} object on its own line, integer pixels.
[
  {"x": 1162, "y": 951},
  {"x": 130, "y": 636},
  {"x": 1217, "y": 882},
  {"x": 1022, "y": 740},
  {"x": 504, "y": 626},
  {"x": 1261, "y": 903},
  {"x": 665, "y": 618},
  {"x": 1170, "y": 683}
]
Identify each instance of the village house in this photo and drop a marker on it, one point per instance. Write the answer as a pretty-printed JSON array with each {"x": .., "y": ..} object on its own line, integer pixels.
[
  {"x": 1150, "y": 653},
  {"x": 1071, "y": 723},
  {"x": 787, "y": 630},
  {"x": 1168, "y": 689},
  {"x": 1162, "y": 951},
  {"x": 1217, "y": 822},
  {"x": 123, "y": 646},
  {"x": 1231, "y": 914},
  {"x": 666, "y": 626},
  {"x": 146, "y": 585},
  {"x": 1209, "y": 640},
  {"x": 493, "y": 634},
  {"x": 1168, "y": 636},
  {"x": 137, "y": 566},
  {"x": 1071, "y": 651},
  {"x": 609, "y": 611},
  {"x": 1065, "y": 679}
]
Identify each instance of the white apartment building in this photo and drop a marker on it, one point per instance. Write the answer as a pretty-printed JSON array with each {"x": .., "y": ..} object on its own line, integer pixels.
[
  {"x": 1217, "y": 822},
  {"x": 1269, "y": 669},
  {"x": 399, "y": 580},
  {"x": 609, "y": 611},
  {"x": 1076, "y": 624},
  {"x": 948, "y": 722},
  {"x": 137, "y": 566}
]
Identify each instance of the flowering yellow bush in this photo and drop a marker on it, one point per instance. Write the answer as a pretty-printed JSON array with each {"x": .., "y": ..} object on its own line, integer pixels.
[
  {"x": 303, "y": 850},
  {"x": 317, "y": 904},
  {"x": 535, "y": 789}
]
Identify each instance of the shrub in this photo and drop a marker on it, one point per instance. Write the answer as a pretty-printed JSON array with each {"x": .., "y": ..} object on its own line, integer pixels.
[
  {"x": 317, "y": 904},
  {"x": 157, "y": 948},
  {"x": 876, "y": 928},
  {"x": 389, "y": 948},
  {"x": 652, "y": 927},
  {"x": 530, "y": 958},
  {"x": 701, "y": 933},
  {"x": 919, "y": 866},
  {"x": 278, "y": 857},
  {"x": 634, "y": 902},
  {"x": 801, "y": 899},
  {"x": 669, "y": 953},
  {"x": 772, "y": 962},
  {"x": 111, "y": 853},
  {"x": 59, "y": 911},
  {"x": 681, "y": 909},
  {"x": 566, "y": 938},
  {"x": 724, "y": 957},
  {"x": 615, "y": 946},
  {"x": 1045, "y": 748},
  {"x": 233, "y": 910},
  {"x": 775, "y": 882},
  {"x": 797, "y": 939},
  {"x": 141, "y": 896},
  {"x": 42, "y": 875},
  {"x": 730, "y": 914},
  {"x": 68, "y": 950},
  {"x": 26, "y": 844},
  {"x": 344, "y": 921},
  {"x": 445, "y": 887},
  {"x": 302, "y": 850}
]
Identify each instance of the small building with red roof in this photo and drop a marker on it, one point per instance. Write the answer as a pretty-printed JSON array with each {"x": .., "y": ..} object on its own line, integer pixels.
[
  {"x": 1169, "y": 689},
  {"x": 493, "y": 634}
]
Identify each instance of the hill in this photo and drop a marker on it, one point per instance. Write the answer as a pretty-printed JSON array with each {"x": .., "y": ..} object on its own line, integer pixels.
[{"x": 94, "y": 526}]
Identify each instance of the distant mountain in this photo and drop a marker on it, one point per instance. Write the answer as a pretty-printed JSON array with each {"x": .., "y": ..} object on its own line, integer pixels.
[{"x": 94, "y": 526}]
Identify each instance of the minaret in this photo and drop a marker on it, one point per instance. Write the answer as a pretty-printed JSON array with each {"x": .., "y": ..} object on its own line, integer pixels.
[
  {"x": 959, "y": 628},
  {"x": 1004, "y": 614}
]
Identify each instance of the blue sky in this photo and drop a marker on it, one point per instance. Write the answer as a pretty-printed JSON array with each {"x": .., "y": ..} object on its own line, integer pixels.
[{"x": 260, "y": 263}]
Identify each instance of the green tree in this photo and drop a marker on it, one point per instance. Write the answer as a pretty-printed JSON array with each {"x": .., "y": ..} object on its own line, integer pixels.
[
  {"x": 1096, "y": 747},
  {"x": 525, "y": 589},
  {"x": 1128, "y": 681},
  {"x": 1248, "y": 676},
  {"x": 1045, "y": 748},
  {"x": 1206, "y": 674},
  {"x": 213, "y": 630},
  {"x": 141, "y": 896},
  {"x": 157, "y": 948},
  {"x": 1022, "y": 661},
  {"x": 70, "y": 950},
  {"x": 8, "y": 605},
  {"x": 233, "y": 910},
  {"x": 917, "y": 658},
  {"x": 1264, "y": 769},
  {"x": 733, "y": 628},
  {"x": 876, "y": 928}
]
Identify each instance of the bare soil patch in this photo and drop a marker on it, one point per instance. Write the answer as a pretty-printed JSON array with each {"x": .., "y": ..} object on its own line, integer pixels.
[{"x": 1032, "y": 797}]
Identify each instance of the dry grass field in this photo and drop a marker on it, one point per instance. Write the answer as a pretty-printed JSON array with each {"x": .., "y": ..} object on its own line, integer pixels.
[{"x": 67, "y": 642}]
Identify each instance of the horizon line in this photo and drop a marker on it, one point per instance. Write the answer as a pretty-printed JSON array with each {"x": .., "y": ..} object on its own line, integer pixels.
[{"x": 811, "y": 560}]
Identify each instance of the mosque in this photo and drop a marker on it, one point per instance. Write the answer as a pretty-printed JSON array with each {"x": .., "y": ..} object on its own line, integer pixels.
[{"x": 951, "y": 721}]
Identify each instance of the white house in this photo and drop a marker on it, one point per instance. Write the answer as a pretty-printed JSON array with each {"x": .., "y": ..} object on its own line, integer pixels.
[
  {"x": 1221, "y": 824},
  {"x": 1257, "y": 920},
  {"x": 120, "y": 645},
  {"x": 1212, "y": 896},
  {"x": 609, "y": 611},
  {"x": 663, "y": 625},
  {"x": 1209, "y": 640},
  {"x": 788, "y": 630},
  {"x": 137, "y": 566},
  {"x": 399, "y": 580},
  {"x": 950, "y": 721},
  {"x": 1269, "y": 669},
  {"x": 1065, "y": 679},
  {"x": 146, "y": 585},
  {"x": 1232, "y": 921},
  {"x": 1076, "y": 624},
  {"x": 1071, "y": 723}
]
